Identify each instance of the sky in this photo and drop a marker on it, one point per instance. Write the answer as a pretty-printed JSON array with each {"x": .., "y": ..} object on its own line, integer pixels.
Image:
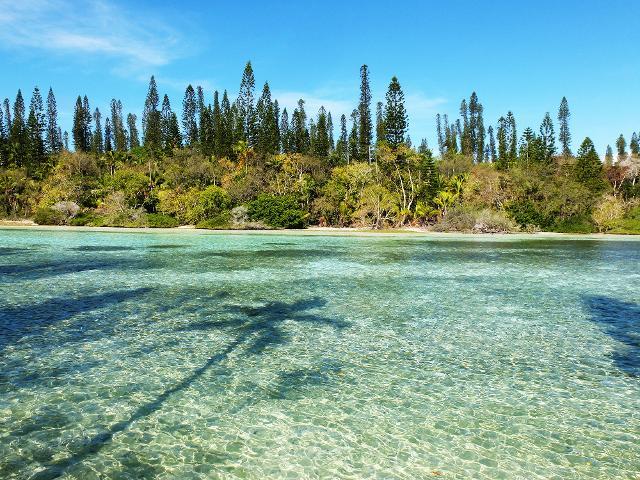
[{"x": 520, "y": 56}]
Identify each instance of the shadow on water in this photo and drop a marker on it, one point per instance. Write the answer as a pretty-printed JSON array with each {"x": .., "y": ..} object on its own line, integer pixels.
[
  {"x": 102, "y": 248},
  {"x": 621, "y": 321},
  {"x": 255, "y": 328},
  {"x": 19, "y": 322},
  {"x": 53, "y": 268}
]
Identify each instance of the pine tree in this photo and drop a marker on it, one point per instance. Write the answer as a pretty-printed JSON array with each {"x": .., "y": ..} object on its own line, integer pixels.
[
  {"x": 65, "y": 140},
  {"x": 353, "y": 143},
  {"x": 343, "y": 141},
  {"x": 503, "y": 161},
  {"x": 7, "y": 115},
  {"x": 97, "y": 144},
  {"x": 4, "y": 138},
  {"x": 201, "y": 112},
  {"x": 332, "y": 145},
  {"x": 217, "y": 125},
  {"x": 174, "y": 131},
  {"x": 205, "y": 131},
  {"x": 151, "y": 120},
  {"x": 424, "y": 146},
  {"x": 365, "y": 131},
  {"x": 621, "y": 145},
  {"x": 395, "y": 115},
  {"x": 512, "y": 138},
  {"x": 321, "y": 144},
  {"x": 565, "y": 135},
  {"x": 547, "y": 138},
  {"x": 285, "y": 134},
  {"x": 300, "y": 134},
  {"x": 476, "y": 128},
  {"x": 267, "y": 141},
  {"x": 228, "y": 121},
  {"x": 134, "y": 138},
  {"x": 588, "y": 168},
  {"x": 441, "y": 138},
  {"x": 18, "y": 137},
  {"x": 608, "y": 156},
  {"x": 165, "y": 121},
  {"x": 531, "y": 148},
  {"x": 35, "y": 129},
  {"x": 380, "y": 130},
  {"x": 117, "y": 125},
  {"x": 634, "y": 144},
  {"x": 87, "y": 123},
  {"x": 464, "y": 130},
  {"x": 108, "y": 136},
  {"x": 492, "y": 156},
  {"x": 245, "y": 102},
  {"x": 78, "y": 130},
  {"x": 52, "y": 142},
  {"x": 189, "y": 125}
]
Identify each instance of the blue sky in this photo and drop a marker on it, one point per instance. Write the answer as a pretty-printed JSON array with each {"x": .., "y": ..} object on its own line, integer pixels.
[{"x": 520, "y": 56}]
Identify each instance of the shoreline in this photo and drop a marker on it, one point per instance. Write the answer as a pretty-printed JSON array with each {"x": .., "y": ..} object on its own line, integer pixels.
[{"x": 323, "y": 231}]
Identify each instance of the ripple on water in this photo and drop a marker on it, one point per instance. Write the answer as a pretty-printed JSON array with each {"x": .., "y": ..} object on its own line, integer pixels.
[{"x": 143, "y": 356}]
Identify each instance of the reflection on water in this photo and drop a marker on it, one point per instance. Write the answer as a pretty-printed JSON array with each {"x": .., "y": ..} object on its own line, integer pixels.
[{"x": 247, "y": 356}]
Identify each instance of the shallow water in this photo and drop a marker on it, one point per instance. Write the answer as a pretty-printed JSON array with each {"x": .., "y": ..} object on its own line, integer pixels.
[{"x": 179, "y": 355}]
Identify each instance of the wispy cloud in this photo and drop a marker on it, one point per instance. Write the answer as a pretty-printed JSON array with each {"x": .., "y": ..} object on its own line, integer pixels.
[{"x": 92, "y": 27}]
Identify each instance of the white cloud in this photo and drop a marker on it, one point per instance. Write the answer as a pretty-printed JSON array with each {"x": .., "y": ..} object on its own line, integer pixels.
[{"x": 92, "y": 27}]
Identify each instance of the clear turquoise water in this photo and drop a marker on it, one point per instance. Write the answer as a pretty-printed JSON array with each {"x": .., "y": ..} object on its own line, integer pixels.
[{"x": 185, "y": 355}]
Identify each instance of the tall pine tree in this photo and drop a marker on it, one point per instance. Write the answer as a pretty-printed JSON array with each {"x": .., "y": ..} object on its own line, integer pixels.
[
  {"x": 151, "y": 120},
  {"x": 365, "y": 130},
  {"x": 565, "y": 135},
  {"x": 189, "y": 123},
  {"x": 395, "y": 115}
]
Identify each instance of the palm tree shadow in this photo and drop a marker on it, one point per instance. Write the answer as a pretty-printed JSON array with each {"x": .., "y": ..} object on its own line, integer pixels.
[
  {"x": 255, "y": 328},
  {"x": 621, "y": 321}
]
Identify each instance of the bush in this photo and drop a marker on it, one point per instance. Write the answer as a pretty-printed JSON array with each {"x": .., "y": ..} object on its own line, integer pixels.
[
  {"x": 575, "y": 224},
  {"x": 159, "y": 220},
  {"x": 607, "y": 213},
  {"x": 277, "y": 211},
  {"x": 211, "y": 202},
  {"x": 84, "y": 219},
  {"x": 49, "y": 216},
  {"x": 475, "y": 221},
  {"x": 219, "y": 222}
]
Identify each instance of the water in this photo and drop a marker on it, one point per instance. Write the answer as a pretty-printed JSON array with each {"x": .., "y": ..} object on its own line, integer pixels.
[{"x": 184, "y": 355}]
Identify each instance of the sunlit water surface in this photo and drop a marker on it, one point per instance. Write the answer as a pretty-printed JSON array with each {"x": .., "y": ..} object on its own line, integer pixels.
[{"x": 184, "y": 355}]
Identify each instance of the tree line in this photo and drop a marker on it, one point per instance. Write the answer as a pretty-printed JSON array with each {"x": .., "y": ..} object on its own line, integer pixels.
[{"x": 368, "y": 173}]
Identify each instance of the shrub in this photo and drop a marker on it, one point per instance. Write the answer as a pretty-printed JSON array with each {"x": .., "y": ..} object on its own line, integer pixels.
[
  {"x": 277, "y": 211},
  {"x": 49, "y": 216},
  {"x": 608, "y": 212},
  {"x": 68, "y": 209},
  {"x": 219, "y": 222},
  {"x": 490, "y": 221},
  {"x": 211, "y": 202},
  {"x": 477, "y": 221},
  {"x": 575, "y": 224},
  {"x": 84, "y": 219},
  {"x": 159, "y": 220}
]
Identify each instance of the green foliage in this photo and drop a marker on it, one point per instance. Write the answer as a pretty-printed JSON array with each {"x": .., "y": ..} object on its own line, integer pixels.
[
  {"x": 221, "y": 221},
  {"x": 159, "y": 220},
  {"x": 49, "y": 216},
  {"x": 278, "y": 211},
  {"x": 575, "y": 224},
  {"x": 588, "y": 167},
  {"x": 211, "y": 202},
  {"x": 135, "y": 186},
  {"x": 17, "y": 193}
]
